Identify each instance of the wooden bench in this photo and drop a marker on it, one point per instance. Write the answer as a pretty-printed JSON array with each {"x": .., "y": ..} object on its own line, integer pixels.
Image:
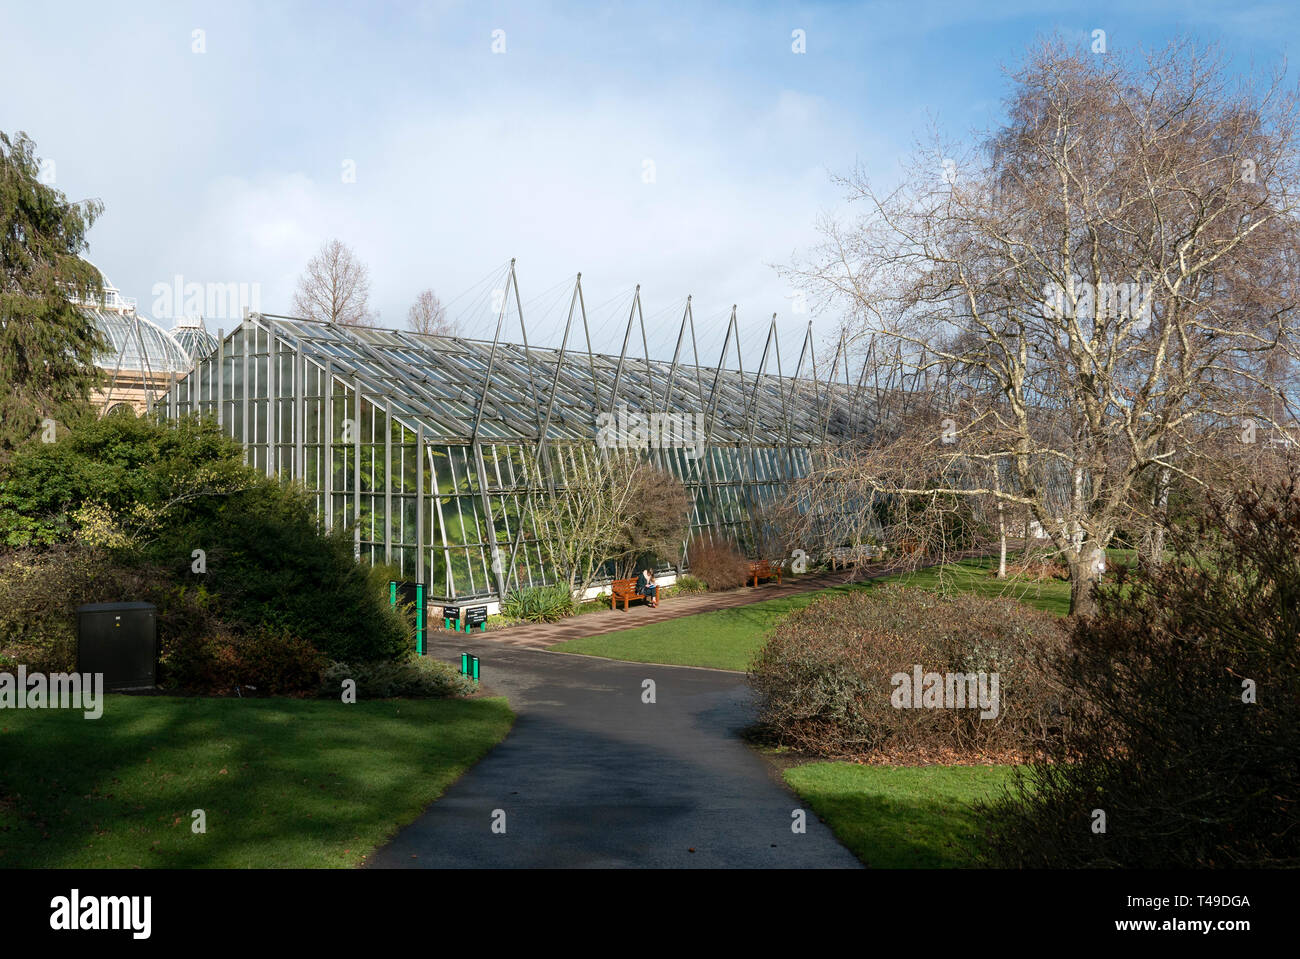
[
  {"x": 762, "y": 569},
  {"x": 844, "y": 556},
  {"x": 625, "y": 590}
]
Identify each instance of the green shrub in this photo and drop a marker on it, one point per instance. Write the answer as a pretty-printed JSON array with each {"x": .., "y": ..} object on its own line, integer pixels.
[
  {"x": 199, "y": 652},
  {"x": 114, "y": 511},
  {"x": 539, "y": 604},
  {"x": 719, "y": 565},
  {"x": 141, "y": 471},
  {"x": 1161, "y": 736},
  {"x": 826, "y": 674},
  {"x": 416, "y": 677},
  {"x": 269, "y": 565}
]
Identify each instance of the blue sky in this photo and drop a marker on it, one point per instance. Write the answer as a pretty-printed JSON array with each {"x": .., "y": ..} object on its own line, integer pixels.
[{"x": 226, "y": 166}]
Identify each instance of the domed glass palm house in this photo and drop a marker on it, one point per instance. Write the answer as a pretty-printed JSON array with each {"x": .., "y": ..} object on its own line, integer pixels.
[
  {"x": 141, "y": 360},
  {"x": 194, "y": 337}
]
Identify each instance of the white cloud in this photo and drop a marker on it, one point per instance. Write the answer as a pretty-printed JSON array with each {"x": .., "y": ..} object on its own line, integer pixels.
[{"x": 439, "y": 200}]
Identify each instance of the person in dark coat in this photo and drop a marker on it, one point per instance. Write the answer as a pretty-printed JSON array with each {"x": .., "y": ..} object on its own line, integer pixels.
[{"x": 646, "y": 586}]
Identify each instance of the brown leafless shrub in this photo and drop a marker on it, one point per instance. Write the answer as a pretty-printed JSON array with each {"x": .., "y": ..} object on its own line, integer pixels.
[
  {"x": 826, "y": 675},
  {"x": 718, "y": 564}
]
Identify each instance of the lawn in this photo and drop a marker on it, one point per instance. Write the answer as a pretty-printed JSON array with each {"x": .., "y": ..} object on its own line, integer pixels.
[
  {"x": 972, "y": 576},
  {"x": 729, "y": 638},
  {"x": 900, "y": 817},
  {"x": 282, "y": 782},
  {"x": 722, "y": 639}
]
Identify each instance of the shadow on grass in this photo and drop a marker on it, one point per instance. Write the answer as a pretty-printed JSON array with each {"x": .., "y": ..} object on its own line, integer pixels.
[
  {"x": 282, "y": 783},
  {"x": 919, "y": 817}
]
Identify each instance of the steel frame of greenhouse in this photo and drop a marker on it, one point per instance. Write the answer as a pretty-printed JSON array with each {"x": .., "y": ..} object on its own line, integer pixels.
[{"x": 433, "y": 449}]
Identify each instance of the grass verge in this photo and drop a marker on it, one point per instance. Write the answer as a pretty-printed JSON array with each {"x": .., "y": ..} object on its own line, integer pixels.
[
  {"x": 281, "y": 782},
  {"x": 721, "y": 639},
  {"x": 972, "y": 576},
  {"x": 900, "y": 817},
  {"x": 729, "y": 638}
]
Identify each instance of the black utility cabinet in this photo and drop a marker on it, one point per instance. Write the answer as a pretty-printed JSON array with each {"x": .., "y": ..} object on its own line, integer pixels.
[{"x": 119, "y": 640}]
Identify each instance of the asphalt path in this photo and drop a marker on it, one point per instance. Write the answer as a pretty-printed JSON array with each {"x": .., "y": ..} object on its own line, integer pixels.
[{"x": 593, "y": 776}]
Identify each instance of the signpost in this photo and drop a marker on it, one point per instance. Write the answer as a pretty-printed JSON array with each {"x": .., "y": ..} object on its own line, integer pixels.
[
  {"x": 473, "y": 616},
  {"x": 469, "y": 666},
  {"x": 403, "y": 593}
]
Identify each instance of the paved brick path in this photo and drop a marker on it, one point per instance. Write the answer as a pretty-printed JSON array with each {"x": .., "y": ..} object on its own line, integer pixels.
[{"x": 542, "y": 635}]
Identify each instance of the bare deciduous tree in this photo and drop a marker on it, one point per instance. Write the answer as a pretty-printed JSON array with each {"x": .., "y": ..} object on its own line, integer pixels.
[
  {"x": 335, "y": 288},
  {"x": 428, "y": 315},
  {"x": 612, "y": 507},
  {"x": 1102, "y": 287}
]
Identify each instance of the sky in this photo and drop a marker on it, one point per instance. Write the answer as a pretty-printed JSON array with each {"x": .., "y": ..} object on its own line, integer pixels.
[{"x": 688, "y": 148}]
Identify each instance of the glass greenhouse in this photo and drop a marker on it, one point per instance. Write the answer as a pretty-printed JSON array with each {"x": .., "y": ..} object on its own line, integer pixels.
[
  {"x": 138, "y": 345},
  {"x": 141, "y": 362},
  {"x": 433, "y": 449},
  {"x": 194, "y": 337}
]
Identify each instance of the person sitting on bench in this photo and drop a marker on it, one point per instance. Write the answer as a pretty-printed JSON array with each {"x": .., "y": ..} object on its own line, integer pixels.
[{"x": 645, "y": 586}]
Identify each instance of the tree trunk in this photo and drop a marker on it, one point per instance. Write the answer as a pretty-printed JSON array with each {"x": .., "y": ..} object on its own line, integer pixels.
[
  {"x": 1002, "y": 536},
  {"x": 1151, "y": 552},
  {"x": 1083, "y": 577},
  {"x": 1162, "y": 520},
  {"x": 1002, "y": 522}
]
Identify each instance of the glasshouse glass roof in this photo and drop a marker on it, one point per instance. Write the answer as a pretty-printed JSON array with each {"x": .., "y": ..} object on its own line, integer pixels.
[
  {"x": 439, "y": 381},
  {"x": 430, "y": 447},
  {"x": 137, "y": 344},
  {"x": 194, "y": 337}
]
